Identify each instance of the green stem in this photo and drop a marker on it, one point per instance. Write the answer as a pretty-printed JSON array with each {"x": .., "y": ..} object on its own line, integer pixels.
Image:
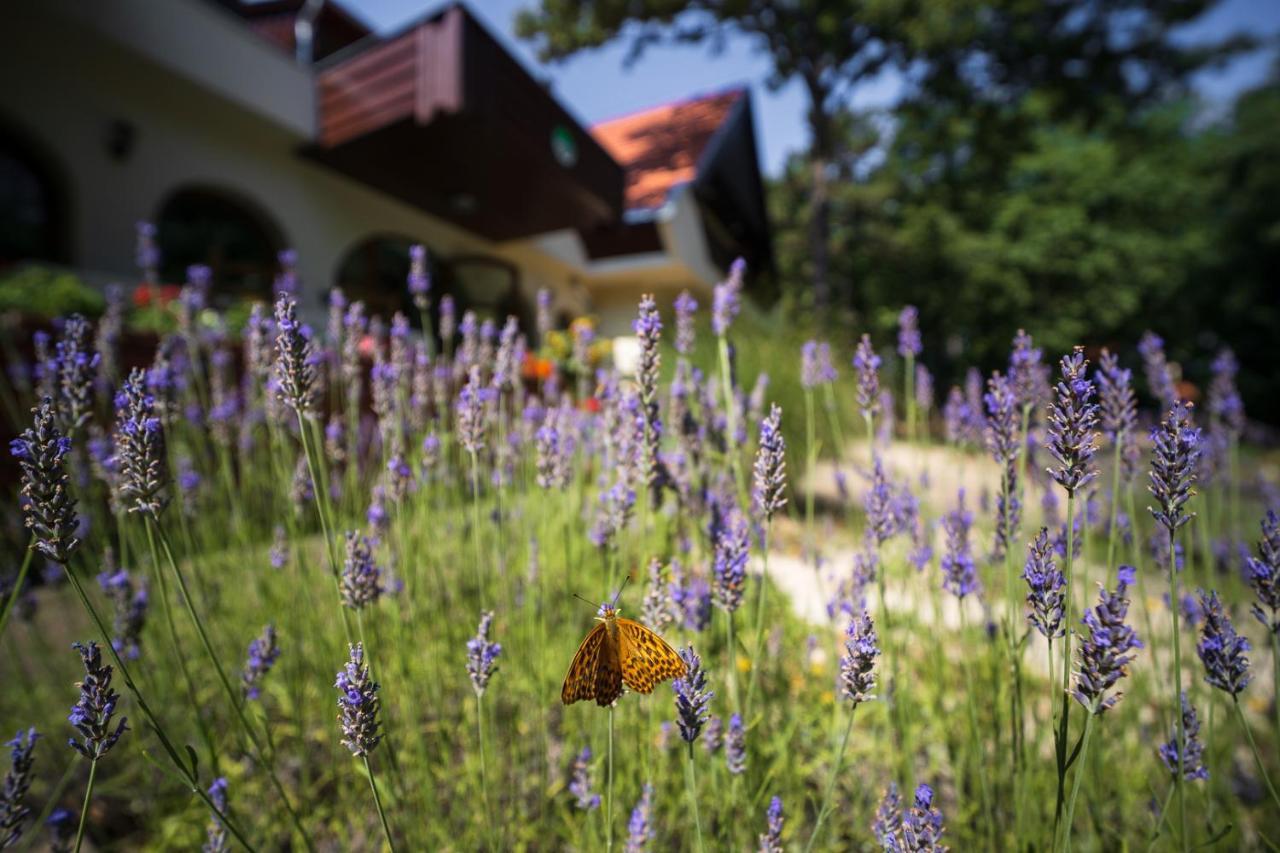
[
  {"x": 608, "y": 832},
  {"x": 760, "y": 596},
  {"x": 1075, "y": 787},
  {"x": 1161, "y": 819},
  {"x": 475, "y": 527},
  {"x": 831, "y": 783},
  {"x": 84, "y": 809},
  {"x": 1176, "y": 607},
  {"x": 484, "y": 768},
  {"x": 377, "y": 802},
  {"x": 154, "y": 529},
  {"x": 1064, "y": 723},
  {"x": 17, "y": 585},
  {"x": 691, "y": 784},
  {"x": 1262, "y": 770}
]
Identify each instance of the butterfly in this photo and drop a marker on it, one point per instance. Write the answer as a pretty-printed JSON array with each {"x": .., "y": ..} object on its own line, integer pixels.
[{"x": 618, "y": 651}]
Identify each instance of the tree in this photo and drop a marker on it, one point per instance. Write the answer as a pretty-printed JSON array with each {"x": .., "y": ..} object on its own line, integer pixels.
[{"x": 829, "y": 45}]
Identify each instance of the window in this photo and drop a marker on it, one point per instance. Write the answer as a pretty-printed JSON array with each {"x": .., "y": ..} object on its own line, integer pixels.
[
  {"x": 238, "y": 243},
  {"x": 32, "y": 209}
]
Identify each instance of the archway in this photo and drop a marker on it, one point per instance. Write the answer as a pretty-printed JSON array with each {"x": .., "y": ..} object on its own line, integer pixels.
[
  {"x": 232, "y": 236},
  {"x": 33, "y": 203}
]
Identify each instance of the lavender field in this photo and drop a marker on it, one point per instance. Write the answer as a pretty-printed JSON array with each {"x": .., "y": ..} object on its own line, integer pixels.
[{"x": 309, "y": 586}]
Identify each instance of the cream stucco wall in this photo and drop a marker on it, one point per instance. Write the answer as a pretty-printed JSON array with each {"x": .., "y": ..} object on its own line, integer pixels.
[{"x": 65, "y": 83}]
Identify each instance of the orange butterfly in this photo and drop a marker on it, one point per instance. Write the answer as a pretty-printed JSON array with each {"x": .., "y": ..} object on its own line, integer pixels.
[{"x": 618, "y": 651}]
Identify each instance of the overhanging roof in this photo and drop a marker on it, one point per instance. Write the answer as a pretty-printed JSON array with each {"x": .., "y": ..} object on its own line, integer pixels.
[{"x": 443, "y": 118}]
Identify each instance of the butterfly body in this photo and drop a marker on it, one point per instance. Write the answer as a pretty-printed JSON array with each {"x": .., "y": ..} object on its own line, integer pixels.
[{"x": 615, "y": 652}]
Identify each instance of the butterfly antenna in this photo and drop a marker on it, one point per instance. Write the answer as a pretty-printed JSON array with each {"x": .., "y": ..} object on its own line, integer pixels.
[
  {"x": 587, "y": 600},
  {"x": 621, "y": 588}
]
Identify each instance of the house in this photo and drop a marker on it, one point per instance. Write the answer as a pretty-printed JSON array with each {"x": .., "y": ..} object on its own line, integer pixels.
[{"x": 241, "y": 129}]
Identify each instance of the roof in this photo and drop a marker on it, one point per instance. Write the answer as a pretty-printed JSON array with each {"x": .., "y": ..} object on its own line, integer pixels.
[{"x": 660, "y": 148}]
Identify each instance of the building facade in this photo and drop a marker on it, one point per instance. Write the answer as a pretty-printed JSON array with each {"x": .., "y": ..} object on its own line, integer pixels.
[{"x": 204, "y": 117}]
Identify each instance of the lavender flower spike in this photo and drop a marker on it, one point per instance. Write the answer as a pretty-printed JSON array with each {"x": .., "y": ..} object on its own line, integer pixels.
[
  {"x": 729, "y": 565},
  {"x": 771, "y": 838},
  {"x": 361, "y": 580},
  {"x": 216, "y": 837},
  {"x": 726, "y": 299},
  {"x": 482, "y": 654},
  {"x": 959, "y": 573},
  {"x": 1173, "y": 467},
  {"x": 13, "y": 808},
  {"x": 295, "y": 359},
  {"x": 1263, "y": 574},
  {"x": 263, "y": 654},
  {"x": 693, "y": 700},
  {"x": 92, "y": 713},
  {"x": 735, "y": 746},
  {"x": 922, "y": 828},
  {"x": 867, "y": 365},
  {"x": 419, "y": 280},
  {"x": 140, "y": 452},
  {"x": 580, "y": 782},
  {"x": 888, "y": 823},
  {"x": 50, "y": 507},
  {"x": 1105, "y": 653},
  {"x": 1045, "y": 587},
  {"x": 686, "y": 306},
  {"x": 1073, "y": 420},
  {"x": 770, "y": 473},
  {"x": 358, "y": 704},
  {"x": 857, "y": 664},
  {"x": 1221, "y": 649},
  {"x": 640, "y": 826},
  {"x": 1159, "y": 374},
  {"x": 909, "y": 343},
  {"x": 1193, "y": 757}
]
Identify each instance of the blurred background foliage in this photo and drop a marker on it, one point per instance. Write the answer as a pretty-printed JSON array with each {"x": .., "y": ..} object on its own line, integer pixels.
[{"x": 1048, "y": 167}]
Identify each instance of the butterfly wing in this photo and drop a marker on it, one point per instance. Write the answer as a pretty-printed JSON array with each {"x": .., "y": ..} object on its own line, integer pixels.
[
  {"x": 645, "y": 657},
  {"x": 580, "y": 680},
  {"x": 608, "y": 671}
]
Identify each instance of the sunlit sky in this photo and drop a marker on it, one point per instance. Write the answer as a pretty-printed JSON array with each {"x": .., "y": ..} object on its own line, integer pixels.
[{"x": 597, "y": 85}]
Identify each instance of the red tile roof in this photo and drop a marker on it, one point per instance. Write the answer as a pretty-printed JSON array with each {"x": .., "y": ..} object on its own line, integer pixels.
[{"x": 660, "y": 147}]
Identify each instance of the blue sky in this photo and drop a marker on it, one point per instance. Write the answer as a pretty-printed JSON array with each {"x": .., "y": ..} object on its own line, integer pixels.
[{"x": 596, "y": 86}]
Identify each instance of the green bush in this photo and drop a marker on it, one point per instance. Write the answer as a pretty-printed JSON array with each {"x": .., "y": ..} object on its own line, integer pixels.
[{"x": 47, "y": 292}]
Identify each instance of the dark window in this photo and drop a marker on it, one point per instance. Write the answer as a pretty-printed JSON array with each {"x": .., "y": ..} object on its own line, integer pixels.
[
  {"x": 32, "y": 214},
  {"x": 238, "y": 243}
]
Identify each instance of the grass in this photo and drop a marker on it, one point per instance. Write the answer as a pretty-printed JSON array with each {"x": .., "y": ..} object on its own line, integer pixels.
[{"x": 457, "y": 773}]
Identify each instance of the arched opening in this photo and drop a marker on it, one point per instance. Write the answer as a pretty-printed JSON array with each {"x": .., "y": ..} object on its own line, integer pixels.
[
  {"x": 376, "y": 270},
  {"x": 33, "y": 204},
  {"x": 236, "y": 240}
]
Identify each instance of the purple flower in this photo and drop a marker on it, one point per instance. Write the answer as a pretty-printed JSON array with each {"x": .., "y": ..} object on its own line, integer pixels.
[
  {"x": 263, "y": 653},
  {"x": 92, "y": 713},
  {"x": 419, "y": 280},
  {"x": 726, "y": 299},
  {"x": 217, "y": 840},
  {"x": 735, "y": 746},
  {"x": 278, "y": 555},
  {"x": 1159, "y": 375},
  {"x": 771, "y": 838},
  {"x": 924, "y": 389},
  {"x": 692, "y": 697},
  {"x": 691, "y": 595},
  {"x": 888, "y": 822},
  {"x": 50, "y": 507},
  {"x": 472, "y": 413},
  {"x": 295, "y": 370},
  {"x": 1045, "y": 587},
  {"x": 959, "y": 574},
  {"x": 130, "y": 602},
  {"x": 62, "y": 825},
  {"x": 17, "y": 781},
  {"x": 769, "y": 492},
  {"x": 1073, "y": 419},
  {"x": 1118, "y": 405},
  {"x": 146, "y": 253},
  {"x": 816, "y": 367},
  {"x": 857, "y": 664},
  {"x": 1225, "y": 406},
  {"x": 1263, "y": 574},
  {"x": 358, "y": 704},
  {"x": 1173, "y": 467},
  {"x": 75, "y": 364},
  {"x": 658, "y": 608},
  {"x": 1029, "y": 375},
  {"x": 878, "y": 504},
  {"x": 867, "y": 365},
  {"x": 286, "y": 281},
  {"x": 1221, "y": 649},
  {"x": 361, "y": 580},
  {"x": 686, "y": 306},
  {"x": 482, "y": 654},
  {"x": 639, "y": 827},
  {"x": 729, "y": 565},
  {"x": 922, "y": 828},
  {"x": 580, "y": 782},
  {"x": 1105, "y": 653},
  {"x": 909, "y": 343},
  {"x": 1193, "y": 756},
  {"x": 956, "y": 416}
]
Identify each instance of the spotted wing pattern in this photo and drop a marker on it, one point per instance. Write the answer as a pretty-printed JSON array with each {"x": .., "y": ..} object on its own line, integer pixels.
[
  {"x": 645, "y": 657},
  {"x": 580, "y": 680}
]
